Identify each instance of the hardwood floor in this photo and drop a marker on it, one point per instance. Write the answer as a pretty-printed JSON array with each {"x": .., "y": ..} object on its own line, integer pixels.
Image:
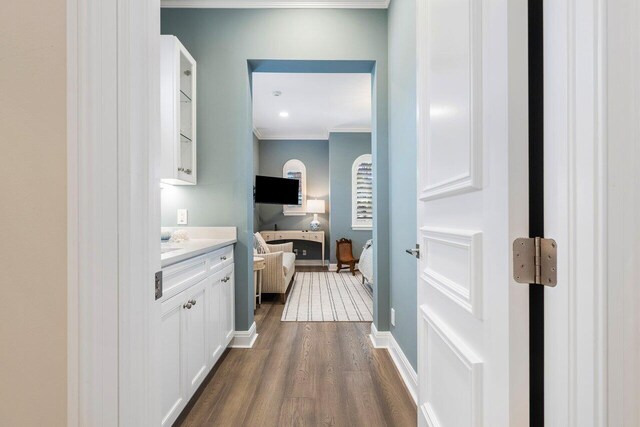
[{"x": 304, "y": 374}]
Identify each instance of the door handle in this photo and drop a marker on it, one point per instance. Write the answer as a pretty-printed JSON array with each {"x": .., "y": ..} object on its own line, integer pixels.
[{"x": 415, "y": 252}]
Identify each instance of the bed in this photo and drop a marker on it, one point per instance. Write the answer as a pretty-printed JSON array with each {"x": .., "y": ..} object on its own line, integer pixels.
[{"x": 365, "y": 265}]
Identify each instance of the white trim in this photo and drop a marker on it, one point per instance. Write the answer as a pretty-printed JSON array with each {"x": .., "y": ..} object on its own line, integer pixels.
[
  {"x": 294, "y": 137},
  {"x": 296, "y": 165},
  {"x": 73, "y": 374},
  {"x": 350, "y": 130},
  {"x": 310, "y": 262},
  {"x": 324, "y": 136},
  {"x": 258, "y": 134},
  {"x": 256, "y": 4},
  {"x": 333, "y": 267},
  {"x": 112, "y": 221},
  {"x": 244, "y": 339},
  {"x": 385, "y": 339}
]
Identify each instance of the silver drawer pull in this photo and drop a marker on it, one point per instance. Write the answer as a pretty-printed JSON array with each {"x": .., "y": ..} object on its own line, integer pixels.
[
  {"x": 192, "y": 301},
  {"x": 223, "y": 258},
  {"x": 187, "y": 305}
]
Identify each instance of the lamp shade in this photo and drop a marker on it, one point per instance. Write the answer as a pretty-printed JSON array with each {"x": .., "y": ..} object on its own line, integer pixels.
[{"x": 315, "y": 206}]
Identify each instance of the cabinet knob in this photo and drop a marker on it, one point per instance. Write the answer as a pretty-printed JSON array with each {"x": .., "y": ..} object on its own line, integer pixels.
[
  {"x": 193, "y": 302},
  {"x": 187, "y": 305},
  {"x": 223, "y": 258}
]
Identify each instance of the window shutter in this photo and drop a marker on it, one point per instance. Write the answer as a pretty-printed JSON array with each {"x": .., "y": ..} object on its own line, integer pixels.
[
  {"x": 297, "y": 175},
  {"x": 362, "y": 215}
]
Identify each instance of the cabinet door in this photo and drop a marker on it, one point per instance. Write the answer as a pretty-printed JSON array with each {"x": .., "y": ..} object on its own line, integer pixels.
[
  {"x": 215, "y": 325},
  {"x": 227, "y": 304},
  {"x": 172, "y": 328},
  {"x": 196, "y": 336}
]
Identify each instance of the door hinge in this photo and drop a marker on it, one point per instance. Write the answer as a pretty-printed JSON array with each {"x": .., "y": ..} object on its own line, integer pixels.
[
  {"x": 158, "y": 284},
  {"x": 535, "y": 261}
]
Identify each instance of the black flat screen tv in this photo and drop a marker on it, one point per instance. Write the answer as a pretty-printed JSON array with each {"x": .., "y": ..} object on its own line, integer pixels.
[{"x": 276, "y": 191}]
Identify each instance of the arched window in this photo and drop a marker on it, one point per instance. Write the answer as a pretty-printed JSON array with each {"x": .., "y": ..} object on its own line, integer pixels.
[
  {"x": 295, "y": 169},
  {"x": 362, "y": 193}
]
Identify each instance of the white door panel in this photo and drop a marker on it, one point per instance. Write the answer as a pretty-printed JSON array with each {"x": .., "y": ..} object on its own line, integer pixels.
[
  {"x": 196, "y": 336},
  {"x": 472, "y": 202}
]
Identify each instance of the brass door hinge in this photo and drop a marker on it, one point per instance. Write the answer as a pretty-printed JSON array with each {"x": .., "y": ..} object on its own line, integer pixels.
[{"x": 535, "y": 261}]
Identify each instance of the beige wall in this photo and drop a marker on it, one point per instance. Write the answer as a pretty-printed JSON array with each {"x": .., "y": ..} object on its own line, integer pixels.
[{"x": 33, "y": 336}]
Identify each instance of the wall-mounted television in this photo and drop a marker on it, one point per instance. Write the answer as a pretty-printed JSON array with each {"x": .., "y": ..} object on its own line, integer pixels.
[{"x": 276, "y": 191}]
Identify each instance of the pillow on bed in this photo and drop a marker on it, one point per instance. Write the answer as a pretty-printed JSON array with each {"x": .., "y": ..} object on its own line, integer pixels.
[{"x": 260, "y": 245}]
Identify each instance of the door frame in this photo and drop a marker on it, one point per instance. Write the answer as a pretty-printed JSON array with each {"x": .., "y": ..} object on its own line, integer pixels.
[
  {"x": 113, "y": 211},
  {"x": 592, "y": 102}
]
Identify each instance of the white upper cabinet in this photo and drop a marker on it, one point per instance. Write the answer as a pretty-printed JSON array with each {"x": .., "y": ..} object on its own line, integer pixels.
[{"x": 178, "y": 105}]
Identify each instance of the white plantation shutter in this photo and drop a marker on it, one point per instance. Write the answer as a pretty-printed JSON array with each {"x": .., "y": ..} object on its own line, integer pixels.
[
  {"x": 295, "y": 169},
  {"x": 362, "y": 192},
  {"x": 297, "y": 175}
]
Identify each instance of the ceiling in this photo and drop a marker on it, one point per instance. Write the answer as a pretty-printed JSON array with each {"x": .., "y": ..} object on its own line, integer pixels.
[
  {"x": 278, "y": 4},
  {"x": 316, "y": 104}
]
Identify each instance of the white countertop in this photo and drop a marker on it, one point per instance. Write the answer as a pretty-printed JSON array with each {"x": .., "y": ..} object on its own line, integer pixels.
[
  {"x": 191, "y": 248},
  {"x": 201, "y": 240}
]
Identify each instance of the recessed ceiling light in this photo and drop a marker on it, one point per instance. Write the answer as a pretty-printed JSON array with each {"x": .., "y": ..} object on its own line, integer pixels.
[
  {"x": 284, "y": 114},
  {"x": 277, "y": 93}
]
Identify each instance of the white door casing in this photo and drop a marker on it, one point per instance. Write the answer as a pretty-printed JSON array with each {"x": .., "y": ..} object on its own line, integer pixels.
[
  {"x": 592, "y": 199},
  {"x": 473, "y": 355}
]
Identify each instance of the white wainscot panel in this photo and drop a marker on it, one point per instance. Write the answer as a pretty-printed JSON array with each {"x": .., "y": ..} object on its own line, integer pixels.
[
  {"x": 453, "y": 395},
  {"x": 453, "y": 126},
  {"x": 452, "y": 264}
]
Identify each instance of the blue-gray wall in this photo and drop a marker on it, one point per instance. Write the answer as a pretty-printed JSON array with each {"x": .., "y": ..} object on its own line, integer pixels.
[
  {"x": 315, "y": 156},
  {"x": 344, "y": 149},
  {"x": 402, "y": 173},
  {"x": 222, "y": 41}
]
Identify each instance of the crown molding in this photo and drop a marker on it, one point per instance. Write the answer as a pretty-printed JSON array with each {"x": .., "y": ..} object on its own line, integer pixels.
[
  {"x": 350, "y": 130},
  {"x": 324, "y": 136},
  {"x": 282, "y": 4},
  {"x": 257, "y": 133},
  {"x": 295, "y": 137}
]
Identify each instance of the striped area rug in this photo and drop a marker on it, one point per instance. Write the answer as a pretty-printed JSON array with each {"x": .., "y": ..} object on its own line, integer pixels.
[{"x": 328, "y": 297}]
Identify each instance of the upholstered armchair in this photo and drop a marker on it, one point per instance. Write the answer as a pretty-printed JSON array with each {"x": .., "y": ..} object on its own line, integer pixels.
[{"x": 280, "y": 269}]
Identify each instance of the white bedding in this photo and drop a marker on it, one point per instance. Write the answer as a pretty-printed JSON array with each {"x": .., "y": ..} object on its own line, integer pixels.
[{"x": 365, "y": 265}]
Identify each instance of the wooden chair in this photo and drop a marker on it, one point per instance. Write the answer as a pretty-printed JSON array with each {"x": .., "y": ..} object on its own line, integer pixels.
[{"x": 344, "y": 253}]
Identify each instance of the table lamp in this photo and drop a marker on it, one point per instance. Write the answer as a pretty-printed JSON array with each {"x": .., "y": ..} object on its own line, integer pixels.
[{"x": 315, "y": 207}]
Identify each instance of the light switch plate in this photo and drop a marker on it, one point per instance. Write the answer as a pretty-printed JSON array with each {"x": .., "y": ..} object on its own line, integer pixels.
[
  {"x": 393, "y": 317},
  {"x": 182, "y": 217}
]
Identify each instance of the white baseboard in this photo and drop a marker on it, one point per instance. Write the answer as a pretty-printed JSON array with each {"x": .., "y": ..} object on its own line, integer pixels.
[
  {"x": 385, "y": 339},
  {"x": 317, "y": 262},
  {"x": 244, "y": 339}
]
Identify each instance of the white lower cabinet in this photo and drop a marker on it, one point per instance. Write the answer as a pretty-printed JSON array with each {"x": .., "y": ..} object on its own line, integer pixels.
[
  {"x": 227, "y": 304},
  {"x": 196, "y": 336},
  {"x": 197, "y": 325},
  {"x": 216, "y": 341},
  {"x": 172, "y": 326}
]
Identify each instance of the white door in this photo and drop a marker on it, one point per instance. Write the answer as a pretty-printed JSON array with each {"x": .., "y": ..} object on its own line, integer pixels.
[
  {"x": 226, "y": 304},
  {"x": 196, "y": 336},
  {"x": 173, "y": 384},
  {"x": 473, "y": 357},
  {"x": 214, "y": 333}
]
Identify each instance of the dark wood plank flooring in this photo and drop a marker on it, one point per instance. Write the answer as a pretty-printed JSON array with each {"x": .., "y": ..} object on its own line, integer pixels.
[{"x": 303, "y": 374}]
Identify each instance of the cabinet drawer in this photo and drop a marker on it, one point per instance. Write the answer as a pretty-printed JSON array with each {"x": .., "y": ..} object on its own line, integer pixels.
[
  {"x": 220, "y": 258},
  {"x": 183, "y": 274},
  {"x": 267, "y": 236}
]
